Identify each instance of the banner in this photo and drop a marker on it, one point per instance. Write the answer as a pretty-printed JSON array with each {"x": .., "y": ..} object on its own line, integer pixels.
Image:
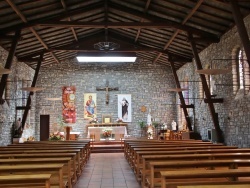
[
  {"x": 124, "y": 107},
  {"x": 68, "y": 100}
]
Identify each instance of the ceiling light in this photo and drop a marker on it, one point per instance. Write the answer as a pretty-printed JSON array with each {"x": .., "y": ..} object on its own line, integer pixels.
[{"x": 106, "y": 57}]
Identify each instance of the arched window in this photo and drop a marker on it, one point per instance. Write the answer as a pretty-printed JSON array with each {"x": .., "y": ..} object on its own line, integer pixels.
[{"x": 240, "y": 71}]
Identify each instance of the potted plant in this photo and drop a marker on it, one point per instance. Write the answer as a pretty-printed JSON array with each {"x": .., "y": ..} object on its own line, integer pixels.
[{"x": 142, "y": 125}]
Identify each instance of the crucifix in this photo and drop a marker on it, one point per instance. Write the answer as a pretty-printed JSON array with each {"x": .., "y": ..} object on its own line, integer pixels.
[{"x": 107, "y": 89}]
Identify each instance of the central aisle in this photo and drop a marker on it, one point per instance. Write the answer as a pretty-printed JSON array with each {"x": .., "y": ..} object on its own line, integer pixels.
[{"x": 107, "y": 170}]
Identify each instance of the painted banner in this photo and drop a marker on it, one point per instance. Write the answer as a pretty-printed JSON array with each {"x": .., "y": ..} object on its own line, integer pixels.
[
  {"x": 124, "y": 107},
  {"x": 69, "y": 108},
  {"x": 89, "y": 105}
]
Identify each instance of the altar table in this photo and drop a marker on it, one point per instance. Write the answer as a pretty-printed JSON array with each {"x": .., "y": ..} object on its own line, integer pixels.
[
  {"x": 73, "y": 135},
  {"x": 115, "y": 130}
]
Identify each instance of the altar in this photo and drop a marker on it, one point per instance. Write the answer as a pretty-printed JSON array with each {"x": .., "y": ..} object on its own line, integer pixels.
[
  {"x": 73, "y": 135},
  {"x": 97, "y": 130}
]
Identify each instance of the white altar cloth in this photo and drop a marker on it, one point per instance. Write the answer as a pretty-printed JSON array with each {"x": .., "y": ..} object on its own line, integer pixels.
[{"x": 115, "y": 130}]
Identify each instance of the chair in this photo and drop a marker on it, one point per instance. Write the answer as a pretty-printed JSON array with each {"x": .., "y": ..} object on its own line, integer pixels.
[
  {"x": 121, "y": 139},
  {"x": 92, "y": 139}
]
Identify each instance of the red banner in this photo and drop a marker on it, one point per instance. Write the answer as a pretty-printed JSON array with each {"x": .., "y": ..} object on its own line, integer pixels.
[{"x": 68, "y": 99}]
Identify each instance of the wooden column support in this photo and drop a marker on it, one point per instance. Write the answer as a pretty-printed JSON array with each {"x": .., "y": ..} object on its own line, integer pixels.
[
  {"x": 9, "y": 64},
  {"x": 219, "y": 100},
  {"x": 238, "y": 18},
  {"x": 206, "y": 91},
  {"x": 182, "y": 100},
  {"x": 187, "y": 106},
  {"x": 28, "y": 104}
]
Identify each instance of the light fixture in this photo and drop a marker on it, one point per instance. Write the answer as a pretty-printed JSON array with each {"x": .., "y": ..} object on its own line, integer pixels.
[
  {"x": 106, "y": 46},
  {"x": 32, "y": 89},
  {"x": 213, "y": 71},
  {"x": 177, "y": 89},
  {"x": 4, "y": 71},
  {"x": 107, "y": 57}
]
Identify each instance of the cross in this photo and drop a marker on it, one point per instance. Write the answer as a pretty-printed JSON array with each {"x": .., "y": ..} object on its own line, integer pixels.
[{"x": 107, "y": 89}]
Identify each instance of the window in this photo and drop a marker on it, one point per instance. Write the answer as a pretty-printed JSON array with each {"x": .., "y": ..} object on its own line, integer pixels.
[{"x": 240, "y": 71}]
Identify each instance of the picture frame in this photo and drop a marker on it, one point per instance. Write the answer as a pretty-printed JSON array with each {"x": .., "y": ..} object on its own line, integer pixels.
[
  {"x": 90, "y": 107},
  {"x": 106, "y": 118}
]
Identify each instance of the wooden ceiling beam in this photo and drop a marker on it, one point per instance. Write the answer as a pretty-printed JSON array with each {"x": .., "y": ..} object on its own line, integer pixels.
[
  {"x": 65, "y": 15},
  {"x": 69, "y": 19},
  {"x": 155, "y": 19},
  {"x": 23, "y": 18}
]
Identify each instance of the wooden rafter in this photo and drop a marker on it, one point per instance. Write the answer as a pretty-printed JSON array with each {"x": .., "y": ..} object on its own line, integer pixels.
[
  {"x": 23, "y": 18},
  {"x": 198, "y": 4}
]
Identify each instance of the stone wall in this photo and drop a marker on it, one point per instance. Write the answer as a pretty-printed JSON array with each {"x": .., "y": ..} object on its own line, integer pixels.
[
  {"x": 20, "y": 77},
  {"x": 234, "y": 113},
  {"x": 147, "y": 84}
]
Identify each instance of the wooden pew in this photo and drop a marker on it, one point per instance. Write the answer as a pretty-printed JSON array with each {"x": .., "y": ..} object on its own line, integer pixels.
[
  {"x": 45, "y": 155},
  {"x": 42, "y": 152},
  {"x": 23, "y": 181},
  {"x": 156, "y": 167},
  {"x": 215, "y": 186},
  {"x": 146, "y": 159},
  {"x": 54, "y": 169},
  {"x": 80, "y": 158},
  {"x": 233, "y": 174},
  {"x": 136, "y": 160},
  {"x": 66, "y": 161}
]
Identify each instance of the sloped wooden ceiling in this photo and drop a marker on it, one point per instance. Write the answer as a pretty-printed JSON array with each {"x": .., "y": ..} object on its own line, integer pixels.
[{"x": 154, "y": 29}]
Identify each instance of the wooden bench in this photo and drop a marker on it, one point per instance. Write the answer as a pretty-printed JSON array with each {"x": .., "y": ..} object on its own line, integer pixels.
[
  {"x": 42, "y": 152},
  {"x": 29, "y": 148},
  {"x": 156, "y": 167},
  {"x": 23, "y": 181},
  {"x": 215, "y": 186},
  {"x": 54, "y": 169},
  {"x": 233, "y": 174},
  {"x": 186, "y": 157},
  {"x": 66, "y": 168},
  {"x": 45, "y": 155},
  {"x": 136, "y": 161},
  {"x": 134, "y": 156}
]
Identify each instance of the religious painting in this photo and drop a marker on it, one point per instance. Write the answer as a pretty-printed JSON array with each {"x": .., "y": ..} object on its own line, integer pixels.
[
  {"x": 106, "y": 118},
  {"x": 124, "y": 107},
  {"x": 89, "y": 105},
  {"x": 68, "y": 100}
]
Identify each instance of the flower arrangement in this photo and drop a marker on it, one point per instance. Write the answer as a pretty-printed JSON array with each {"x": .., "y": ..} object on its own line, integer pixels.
[
  {"x": 31, "y": 138},
  {"x": 150, "y": 132},
  {"x": 107, "y": 133},
  {"x": 93, "y": 120},
  {"x": 119, "y": 120},
  {"x": 56, "y": 136}
]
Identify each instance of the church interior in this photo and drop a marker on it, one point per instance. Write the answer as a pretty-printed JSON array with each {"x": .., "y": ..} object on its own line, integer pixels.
[{"x": 186, "y": 88}]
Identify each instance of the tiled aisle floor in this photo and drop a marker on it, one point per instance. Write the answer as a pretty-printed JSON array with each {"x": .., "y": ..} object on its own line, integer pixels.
[{"x": 107, "y": 170}]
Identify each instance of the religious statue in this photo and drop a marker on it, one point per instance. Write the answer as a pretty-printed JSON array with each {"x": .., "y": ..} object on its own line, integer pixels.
[{"x": 174, "y": 126}]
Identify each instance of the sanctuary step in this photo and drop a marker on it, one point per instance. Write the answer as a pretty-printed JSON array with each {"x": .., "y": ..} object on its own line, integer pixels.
[{"x": 107, "y": 147}]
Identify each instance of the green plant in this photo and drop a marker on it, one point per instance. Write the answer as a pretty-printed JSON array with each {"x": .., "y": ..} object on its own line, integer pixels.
[
  {"x": 142, "y": 124},
  {"x": 60, "y": 121},
  {"x": 155, "y": 124}
]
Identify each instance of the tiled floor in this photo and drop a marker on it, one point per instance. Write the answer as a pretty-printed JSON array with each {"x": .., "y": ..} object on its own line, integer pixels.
[{"x": 107, "y": 170}]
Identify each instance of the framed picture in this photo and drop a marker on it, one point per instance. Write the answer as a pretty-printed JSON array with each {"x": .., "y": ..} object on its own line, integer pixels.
[
  {"x": 124, "y": 107},
  {"x": 106, "y": 118},
  {"x": 89, "y": 105}
]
